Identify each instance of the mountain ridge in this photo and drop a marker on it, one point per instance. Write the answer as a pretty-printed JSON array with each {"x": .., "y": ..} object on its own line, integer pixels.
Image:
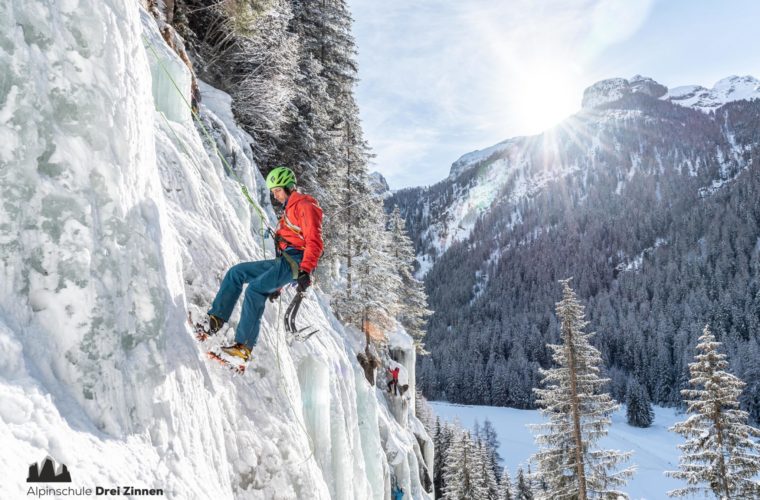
[
  {"x": 598, "y": 98},
  {"x": 617, "y": 196}
]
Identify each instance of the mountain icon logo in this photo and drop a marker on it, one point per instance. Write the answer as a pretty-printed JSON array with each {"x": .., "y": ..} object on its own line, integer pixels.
[{"x": 47, "y": 473}]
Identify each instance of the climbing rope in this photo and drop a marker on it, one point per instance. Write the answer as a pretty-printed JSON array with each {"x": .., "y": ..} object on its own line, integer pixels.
[
  {"x": 264, "y": 224},
  {"x": 278, "y": 336},
  {"x": 228, "y": 168}
]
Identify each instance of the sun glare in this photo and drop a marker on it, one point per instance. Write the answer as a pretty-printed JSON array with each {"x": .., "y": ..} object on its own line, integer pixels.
[{"x": 545, "y": 95}]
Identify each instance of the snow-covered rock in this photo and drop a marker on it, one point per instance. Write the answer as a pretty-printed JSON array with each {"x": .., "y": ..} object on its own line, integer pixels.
[
  {"x": 645, "y": 85},
  {"x": 605, "y": 91},
  {"x": 476, "y": 156},
  {"x": 614, "y": 89},
  {"x": 117, "y": 217},
  {"x": 733, "y": 88},
  {"x": 379, "y": 185}
]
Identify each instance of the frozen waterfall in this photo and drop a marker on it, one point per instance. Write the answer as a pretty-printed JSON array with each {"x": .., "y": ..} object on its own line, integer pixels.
[{"x": 117, "y": 217}]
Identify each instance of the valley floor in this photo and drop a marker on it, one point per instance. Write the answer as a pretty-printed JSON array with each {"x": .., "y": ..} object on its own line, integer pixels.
[{"x": 654, "y": 449}]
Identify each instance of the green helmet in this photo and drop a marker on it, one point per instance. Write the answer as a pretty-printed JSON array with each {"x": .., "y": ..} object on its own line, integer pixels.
[{"x": 281, "y": 177}]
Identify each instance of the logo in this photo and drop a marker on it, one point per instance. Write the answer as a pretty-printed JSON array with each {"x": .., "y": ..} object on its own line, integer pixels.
[{"x": 47, "y": 473}]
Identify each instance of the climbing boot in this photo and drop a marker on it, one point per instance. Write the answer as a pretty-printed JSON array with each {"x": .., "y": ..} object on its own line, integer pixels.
[
  {"x": 238, "y": 350},
  {"x": 214, "y": 324}
]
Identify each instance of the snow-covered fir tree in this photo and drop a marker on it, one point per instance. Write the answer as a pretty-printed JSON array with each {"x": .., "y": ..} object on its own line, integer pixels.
[
  {"x": 246, "y": 49},
  {"x": 325, "y": 135},
  {"x": 306, "y": 144},
  {"x": 570, "y": 463},
  {"x": 523, "y": 490},
  {"x": 462, "y": 476},
  {"x": 465, "y": 462},
  {"x": 424, "y": 412},
  {"x": 721, "y": 454},
  {"x": 490, "y": 486},
  {"x": 442, "y": 438},
  {"x": 505, "y": 486},
  {"x": 372, "y": 302},
  {"x": 639, "y": 411},
  {"x": 491, "y": 440},
  {"x": 413, "y": 312}
]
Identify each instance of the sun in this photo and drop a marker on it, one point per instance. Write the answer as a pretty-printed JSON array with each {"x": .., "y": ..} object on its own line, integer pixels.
[{"x": 544, "y": 94}]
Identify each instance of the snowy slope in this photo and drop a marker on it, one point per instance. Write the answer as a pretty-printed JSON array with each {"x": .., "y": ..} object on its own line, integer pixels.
[
  {"x": 479, "y": 155},
  {"x": 733, "y": 88},
  {"x": 507, "y": 171},
  {"x": 117, "y": 217},
  {"x": 654, "y": 449}
]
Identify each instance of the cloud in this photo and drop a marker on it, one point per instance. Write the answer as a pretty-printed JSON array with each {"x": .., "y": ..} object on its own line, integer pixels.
[{"x": 616, "y": 20}]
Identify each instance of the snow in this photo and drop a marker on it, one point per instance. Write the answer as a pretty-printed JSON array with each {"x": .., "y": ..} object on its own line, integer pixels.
[
  {"x": 732, "y": 88},
  {"x": 635, "y": 263},
  {"x": 479, "y": 155},
  {"x": 654, "y": 448},
  {"x": 509, "y": 162},
  {"x": 117, "y": 217},
  {"x": 605, "y": 91}
]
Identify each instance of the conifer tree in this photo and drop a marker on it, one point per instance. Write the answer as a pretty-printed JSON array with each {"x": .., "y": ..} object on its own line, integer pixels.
[
  {"x": 373, "y": 300},
  {"x": 423, "y": 411},
  {"x": 489, "y": 487},
  {"x": 523, "y": 490},
  {"x": 721, "y": 454},
  {"x": 491, "y": 440},
  {"x": 413, "y": 311},
  {"x": 569, "y": 460},
  {"x": 442, "y": 442},
  {"x": 461, "y": 475},
  {"x": 505, "y": 486},
  {"x": 639, "y": 411},
  {"x": 324, "y": 142}
]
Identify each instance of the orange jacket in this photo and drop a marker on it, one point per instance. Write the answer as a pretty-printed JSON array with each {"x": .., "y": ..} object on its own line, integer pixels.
[{"x": 301, "y": 227}]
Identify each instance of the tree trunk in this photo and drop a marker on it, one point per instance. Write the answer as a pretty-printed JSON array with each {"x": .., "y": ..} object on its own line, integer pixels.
[
  {"x": 348, "y": 208},
  {"x": 722, "y": 479},
  {"x": 575, "y": 406}
]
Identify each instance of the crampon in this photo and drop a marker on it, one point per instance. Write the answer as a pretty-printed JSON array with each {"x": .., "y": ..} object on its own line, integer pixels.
[
  {"x": 200, "y": 331},
  {"x": 233, "y": 367}
]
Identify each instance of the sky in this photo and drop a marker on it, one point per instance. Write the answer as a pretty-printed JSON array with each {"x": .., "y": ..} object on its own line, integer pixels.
[{"x": 441, "y": 78}]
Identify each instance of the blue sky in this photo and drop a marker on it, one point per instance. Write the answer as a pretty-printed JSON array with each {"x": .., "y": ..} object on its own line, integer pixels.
[{"x": 441, "y": 78}]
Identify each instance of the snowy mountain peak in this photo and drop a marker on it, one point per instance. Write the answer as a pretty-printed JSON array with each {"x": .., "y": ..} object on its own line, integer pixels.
[
  {"x": 379, "y": 185},
  {"x": 732, "y": 88},
  {"x": 613, "y": 89},
  {"x": 476, "y": 156}
]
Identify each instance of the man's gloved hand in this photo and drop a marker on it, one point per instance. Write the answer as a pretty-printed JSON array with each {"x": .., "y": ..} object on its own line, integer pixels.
[
  {"x": 304, "y": 281},
  {"x": 274, "y": 295}
]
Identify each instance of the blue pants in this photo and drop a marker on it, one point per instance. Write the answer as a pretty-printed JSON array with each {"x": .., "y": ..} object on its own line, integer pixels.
[{"x": 263, "y": 277}]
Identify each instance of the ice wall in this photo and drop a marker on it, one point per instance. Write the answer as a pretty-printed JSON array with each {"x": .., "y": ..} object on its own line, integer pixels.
[{"x": 116, "y": 217}]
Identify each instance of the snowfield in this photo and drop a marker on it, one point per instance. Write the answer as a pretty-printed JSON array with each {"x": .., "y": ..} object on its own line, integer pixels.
[
  {"x": 117, "y": 217},
  {"x": 654, "y": 448}
]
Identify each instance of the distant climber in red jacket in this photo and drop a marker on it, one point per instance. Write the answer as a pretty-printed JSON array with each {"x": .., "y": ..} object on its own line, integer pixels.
[
  {"x": 393, "y": 382},
  {"x": 299, "y": 247}
]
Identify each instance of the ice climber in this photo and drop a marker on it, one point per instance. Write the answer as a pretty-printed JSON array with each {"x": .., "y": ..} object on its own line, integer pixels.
[
  {"x": 298, "y": 240},
  {"x": 393, "y": 382}
]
